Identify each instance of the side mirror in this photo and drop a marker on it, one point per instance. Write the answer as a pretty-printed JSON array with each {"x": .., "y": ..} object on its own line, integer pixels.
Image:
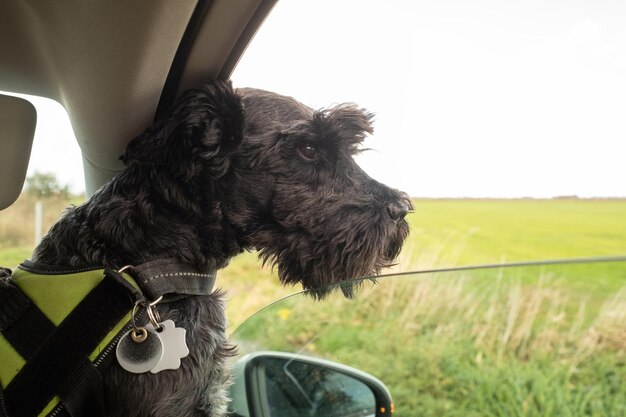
[{"x": 276, "y": 384}]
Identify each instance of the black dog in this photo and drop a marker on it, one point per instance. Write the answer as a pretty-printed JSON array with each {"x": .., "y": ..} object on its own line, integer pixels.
[{"x": 230, "y": 171}]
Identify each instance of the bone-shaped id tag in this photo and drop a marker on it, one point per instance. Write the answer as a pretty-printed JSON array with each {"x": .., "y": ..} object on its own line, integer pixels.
[{"x": 174, "y": 346}]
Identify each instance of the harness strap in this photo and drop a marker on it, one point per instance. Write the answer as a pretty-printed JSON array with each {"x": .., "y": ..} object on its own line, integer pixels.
[
  {"x": 83, "y": 395},
  {"x": 13, "y": 302},
  {"x": 48, "y": 371},
  {"x": 18, "y": 317}
]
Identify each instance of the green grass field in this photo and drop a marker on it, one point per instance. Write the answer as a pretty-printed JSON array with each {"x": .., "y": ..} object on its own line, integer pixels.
[
  {"x": 467, "y": 232},
  {"x": 538, "y": 341}
]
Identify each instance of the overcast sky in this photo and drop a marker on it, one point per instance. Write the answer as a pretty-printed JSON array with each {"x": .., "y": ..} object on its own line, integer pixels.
[{"x": 481, "y": 99}]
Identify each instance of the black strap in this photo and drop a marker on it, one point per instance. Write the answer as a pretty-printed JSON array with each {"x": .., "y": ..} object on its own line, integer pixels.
[
  {"x": 22, "y": 324},
  {"x": 12, "y": 302},
  {"x": 76, "y": 337},
  {"x": 3, "y": 409},
  {"x": 82, "y": 395},
  {"x": 169, "y": 276}
]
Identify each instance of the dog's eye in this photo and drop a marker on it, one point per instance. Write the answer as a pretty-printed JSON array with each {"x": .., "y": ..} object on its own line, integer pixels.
[{"x": 308, "y": 151}]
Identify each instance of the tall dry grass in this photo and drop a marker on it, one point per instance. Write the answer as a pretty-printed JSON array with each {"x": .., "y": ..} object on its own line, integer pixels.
[
  {"x": 508, "y": 341},
  {"x": 17, "y": 222},
  {"x": 507, "y": 315}
]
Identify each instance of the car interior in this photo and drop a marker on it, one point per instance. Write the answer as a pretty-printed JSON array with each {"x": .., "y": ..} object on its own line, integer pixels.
[{"x": 114, "y": 66}]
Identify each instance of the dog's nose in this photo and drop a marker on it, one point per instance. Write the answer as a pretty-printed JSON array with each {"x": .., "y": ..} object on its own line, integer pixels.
[{"x": 397, "y": 210}]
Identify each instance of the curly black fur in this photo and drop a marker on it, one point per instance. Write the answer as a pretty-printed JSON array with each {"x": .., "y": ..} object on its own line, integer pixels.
[{"x": 225, "y": 173}]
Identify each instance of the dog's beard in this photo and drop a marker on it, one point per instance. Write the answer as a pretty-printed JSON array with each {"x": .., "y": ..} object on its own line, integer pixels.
[{"x": 335, "y": 255}]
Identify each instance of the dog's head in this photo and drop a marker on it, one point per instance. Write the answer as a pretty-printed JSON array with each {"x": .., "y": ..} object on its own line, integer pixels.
[
  {"x": 286, "y": 181},
  {"x": 301, "y": 199}
]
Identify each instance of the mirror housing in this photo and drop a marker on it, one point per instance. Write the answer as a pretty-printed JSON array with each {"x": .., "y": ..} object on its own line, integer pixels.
[
  {"x": 278, "y": 384},
  {"x": 18, "y": 118}
]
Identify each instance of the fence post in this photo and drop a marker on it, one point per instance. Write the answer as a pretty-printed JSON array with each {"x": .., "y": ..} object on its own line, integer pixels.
[{"x": 38, "y": 222}]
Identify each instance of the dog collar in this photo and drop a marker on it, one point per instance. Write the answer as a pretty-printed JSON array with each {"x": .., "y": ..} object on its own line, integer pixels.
[{"x": 166, "y": 277}]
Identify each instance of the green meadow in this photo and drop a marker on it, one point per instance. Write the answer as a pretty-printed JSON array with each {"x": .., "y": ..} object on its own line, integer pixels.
[{"x": 462, "y": 232}]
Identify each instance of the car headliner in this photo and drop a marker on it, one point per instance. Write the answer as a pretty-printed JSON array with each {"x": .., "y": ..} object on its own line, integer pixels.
[{"x": 113, "y": 65}]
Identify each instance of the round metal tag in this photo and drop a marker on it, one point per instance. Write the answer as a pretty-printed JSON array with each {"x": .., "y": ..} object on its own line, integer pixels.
[{"x": 139, "y": 357}]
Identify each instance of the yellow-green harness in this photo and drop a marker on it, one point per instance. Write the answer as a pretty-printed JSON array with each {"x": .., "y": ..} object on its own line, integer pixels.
[{"x": 58, "y": 329}]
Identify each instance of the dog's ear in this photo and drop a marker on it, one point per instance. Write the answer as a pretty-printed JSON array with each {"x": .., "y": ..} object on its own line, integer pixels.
[
  {"x": 345, "y": 123},
  {"x": 197, "y": 138}
]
